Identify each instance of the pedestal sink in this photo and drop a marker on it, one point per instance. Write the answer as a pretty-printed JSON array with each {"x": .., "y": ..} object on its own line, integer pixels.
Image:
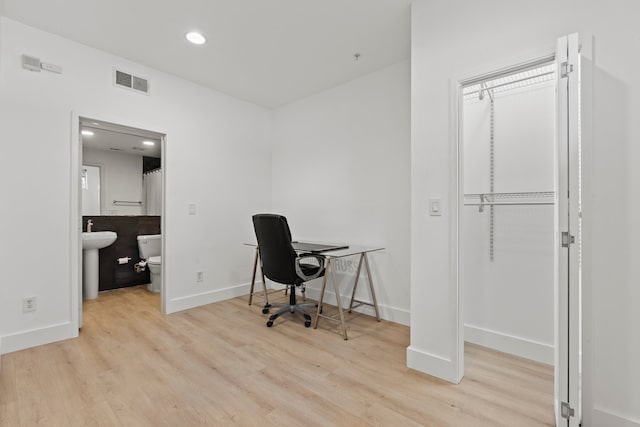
[{"x": 91, "y": 242}]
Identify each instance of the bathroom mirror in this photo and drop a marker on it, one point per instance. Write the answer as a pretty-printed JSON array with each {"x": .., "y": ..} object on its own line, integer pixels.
[{"x": 121, "y": 172}]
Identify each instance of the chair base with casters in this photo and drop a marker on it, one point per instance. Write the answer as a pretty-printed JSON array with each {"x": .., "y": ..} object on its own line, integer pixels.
[{"x": 292, "y": 307}]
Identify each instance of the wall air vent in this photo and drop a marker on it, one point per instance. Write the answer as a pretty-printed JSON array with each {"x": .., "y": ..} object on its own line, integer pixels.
[
  {"x": 129, "y": 81},
  {"x": 140, "y": 84}
]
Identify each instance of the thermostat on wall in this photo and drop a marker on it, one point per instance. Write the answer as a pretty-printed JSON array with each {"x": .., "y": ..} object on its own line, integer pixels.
[
  {"x": 32, "y": 63},
  {"x": 51, "y": 67}
]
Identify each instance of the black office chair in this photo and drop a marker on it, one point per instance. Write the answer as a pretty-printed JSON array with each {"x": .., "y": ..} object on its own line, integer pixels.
[{"x": 282, "y": 264}]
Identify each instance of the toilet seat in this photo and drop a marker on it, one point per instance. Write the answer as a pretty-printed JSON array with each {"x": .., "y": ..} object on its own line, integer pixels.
[{"x": 155, "y": 260}]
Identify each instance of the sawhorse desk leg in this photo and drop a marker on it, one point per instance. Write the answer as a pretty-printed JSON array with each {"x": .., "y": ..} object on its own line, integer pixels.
[
  {"x": 253, "y": 281},
  {"x": 373, "y": 292},
  {"x": 329, "y": 269}
]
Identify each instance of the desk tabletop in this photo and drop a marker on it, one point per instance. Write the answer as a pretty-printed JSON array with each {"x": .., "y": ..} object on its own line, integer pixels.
[
  {"x": 339, "y": 253},
  {"x": 351, "y": 250}
]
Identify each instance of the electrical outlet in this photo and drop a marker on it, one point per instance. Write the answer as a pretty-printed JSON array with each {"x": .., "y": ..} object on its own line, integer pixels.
[
  {"x": 199, "y": 276},
  {"x": 28, "y": 304}
]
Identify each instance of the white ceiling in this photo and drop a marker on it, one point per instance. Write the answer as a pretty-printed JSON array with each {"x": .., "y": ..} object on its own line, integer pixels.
[{"x": 269, "y": 52}]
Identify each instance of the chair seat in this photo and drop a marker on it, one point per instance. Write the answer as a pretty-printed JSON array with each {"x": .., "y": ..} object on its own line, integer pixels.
[{"x": 309, "y": 269}]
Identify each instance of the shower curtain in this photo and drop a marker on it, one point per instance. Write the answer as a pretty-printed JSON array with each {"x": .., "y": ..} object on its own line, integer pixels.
[{"x": 152, "y": 187}]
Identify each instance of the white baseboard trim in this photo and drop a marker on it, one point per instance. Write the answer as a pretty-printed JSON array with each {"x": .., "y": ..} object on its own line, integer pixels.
[
  {"x": 517, "y": 346},
  {"x": 35, "y": 337},
  {"x": 392, "y": 314},
  {"x": 603, "y": 417},
  {"x": 204, "y": 298},
  {"x": 432, "y": 364}
]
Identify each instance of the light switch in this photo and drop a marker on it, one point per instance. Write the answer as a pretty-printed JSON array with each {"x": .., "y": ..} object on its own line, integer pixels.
[
  {"x": 192, "y": 208},
  {"x": 435, "y": 207}
]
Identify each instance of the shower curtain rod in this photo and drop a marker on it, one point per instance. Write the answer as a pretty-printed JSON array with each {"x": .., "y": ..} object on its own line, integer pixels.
[
  {"x": 126, "y": 202},
  {"x": 487, "y": 88}
]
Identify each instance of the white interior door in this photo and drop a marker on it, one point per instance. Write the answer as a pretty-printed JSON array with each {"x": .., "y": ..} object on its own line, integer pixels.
[{"x": 567, "y": 349}]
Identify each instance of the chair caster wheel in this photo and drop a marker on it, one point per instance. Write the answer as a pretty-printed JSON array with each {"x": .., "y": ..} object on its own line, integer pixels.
[
  {"x": 307, "y": 323},
  {"x": 265, "y": 310},
  {"x": 269, "y": 323}
]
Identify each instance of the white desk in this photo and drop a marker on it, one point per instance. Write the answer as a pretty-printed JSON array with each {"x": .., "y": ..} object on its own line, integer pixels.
[{"x": 330, "y": 259}]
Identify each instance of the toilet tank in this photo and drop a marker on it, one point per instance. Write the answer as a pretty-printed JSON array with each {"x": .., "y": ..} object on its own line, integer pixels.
[{"x": 150, "y": 245}]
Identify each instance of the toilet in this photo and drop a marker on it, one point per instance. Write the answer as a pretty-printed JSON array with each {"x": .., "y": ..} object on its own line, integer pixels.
[{"x": 150, "y": 247}]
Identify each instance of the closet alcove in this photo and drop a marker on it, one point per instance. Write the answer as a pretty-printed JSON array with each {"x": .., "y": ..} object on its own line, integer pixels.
[{"x": 507, "y": 221}]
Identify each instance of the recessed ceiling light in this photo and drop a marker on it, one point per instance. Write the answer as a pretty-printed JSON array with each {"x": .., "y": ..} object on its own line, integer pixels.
[
  {"x": 195, "y": 38},
  {"x": 87, "y": 133},
  {"x": 148, "y": 143}
]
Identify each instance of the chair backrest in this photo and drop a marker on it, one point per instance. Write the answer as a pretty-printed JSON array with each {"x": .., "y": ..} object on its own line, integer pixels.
[{"x": 274, "y": 242}]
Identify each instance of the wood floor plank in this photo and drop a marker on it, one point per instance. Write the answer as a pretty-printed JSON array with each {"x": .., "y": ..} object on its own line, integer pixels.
[{"x": 220, "y": 365}]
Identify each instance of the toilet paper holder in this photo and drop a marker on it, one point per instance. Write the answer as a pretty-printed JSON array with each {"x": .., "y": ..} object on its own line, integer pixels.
[{"x": 123, "y": 260}]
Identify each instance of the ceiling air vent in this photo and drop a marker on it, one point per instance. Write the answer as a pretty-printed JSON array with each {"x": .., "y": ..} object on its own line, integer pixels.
[{"x": 129, "y": 81}]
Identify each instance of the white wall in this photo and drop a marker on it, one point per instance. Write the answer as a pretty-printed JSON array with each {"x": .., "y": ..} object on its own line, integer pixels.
[
  {"x": 217, "y": 156},
  {"x": 458, "y": 37},
  {"x": 508, "y": 300},
  {"x": 120, "y": 178},
  {"x": 341, "y": 175}
]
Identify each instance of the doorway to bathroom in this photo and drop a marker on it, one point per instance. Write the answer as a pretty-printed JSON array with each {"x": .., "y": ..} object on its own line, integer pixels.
[{"x": 121, "y": 209}]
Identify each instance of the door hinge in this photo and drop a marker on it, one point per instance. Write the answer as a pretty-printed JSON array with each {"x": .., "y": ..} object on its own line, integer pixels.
[
  {"x": 566, "y": 411},
  {"x": 567, "y": 239},
  {"x": 565, "y": 69}
]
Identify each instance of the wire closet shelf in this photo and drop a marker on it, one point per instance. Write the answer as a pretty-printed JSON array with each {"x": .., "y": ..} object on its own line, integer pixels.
[
  {"x": 506, "y": 83},
  {"x": 528, "y": 198}
]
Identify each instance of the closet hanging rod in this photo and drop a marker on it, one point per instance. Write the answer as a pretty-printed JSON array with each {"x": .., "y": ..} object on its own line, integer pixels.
[
  {"x": 510, "y": 199},
  {"x": 521, "y": 194},
  {"x": 509, "y": 83},
  {"x": 509, "y": 203}
]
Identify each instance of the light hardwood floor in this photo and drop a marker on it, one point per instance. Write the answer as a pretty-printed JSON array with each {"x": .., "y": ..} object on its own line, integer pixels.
[{"x": 220, "y": 365}]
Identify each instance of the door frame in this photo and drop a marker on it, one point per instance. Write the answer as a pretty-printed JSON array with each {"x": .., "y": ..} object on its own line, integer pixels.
[
  {"x": 457, "y": 202},
  {"x": 75, "y": 218},
  {"x": 457, "y": 179}
]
